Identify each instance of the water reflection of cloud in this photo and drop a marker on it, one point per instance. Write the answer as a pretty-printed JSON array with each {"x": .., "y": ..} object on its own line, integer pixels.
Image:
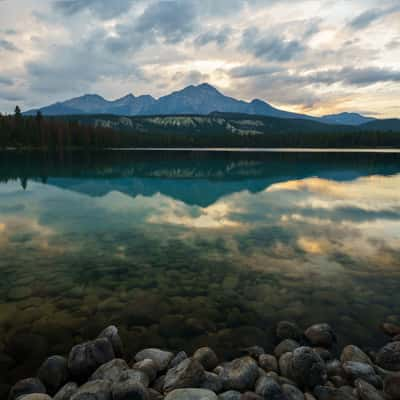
[
  {"x": 373, "y": 193},
  {"x": 312, "y": 222}
]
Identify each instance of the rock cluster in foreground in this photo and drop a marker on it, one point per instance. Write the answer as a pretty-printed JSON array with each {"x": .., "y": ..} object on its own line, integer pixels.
[{"x": 303, "y": 366}]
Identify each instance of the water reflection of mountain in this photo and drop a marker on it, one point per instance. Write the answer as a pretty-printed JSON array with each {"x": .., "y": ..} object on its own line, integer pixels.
[{"x": 194, "y": 178}]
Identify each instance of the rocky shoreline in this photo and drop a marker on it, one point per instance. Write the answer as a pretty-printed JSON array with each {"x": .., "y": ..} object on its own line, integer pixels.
[{"x": 305, "y": 365}]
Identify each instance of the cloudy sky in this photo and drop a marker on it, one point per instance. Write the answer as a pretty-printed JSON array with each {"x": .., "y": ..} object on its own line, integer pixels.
[{"x": 309, "y": 56}]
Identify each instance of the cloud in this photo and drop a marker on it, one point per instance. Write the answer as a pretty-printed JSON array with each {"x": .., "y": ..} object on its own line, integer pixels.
[
  {"x": 270, "y": 47},
  {"x": 8, "y": 46},
  {"x": 220, "y": 37},
  {"x": 172, "y": 20},
  {"x": 368, "y": 17},
  {"x": 6, "y": 81},
  {"x": 355, "y": 76},
  {"x": 103, "y": 9}
]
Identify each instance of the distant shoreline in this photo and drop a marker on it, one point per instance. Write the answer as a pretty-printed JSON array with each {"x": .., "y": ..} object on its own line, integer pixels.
[
  {"x": 262, "y": 150},
  {"x": 386, "y": 150}
]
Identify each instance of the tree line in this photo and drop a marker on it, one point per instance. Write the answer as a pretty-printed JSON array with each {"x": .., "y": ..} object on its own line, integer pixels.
[
  {"x": 18, "y": 131},
  {"x": 59, "y": 133}
]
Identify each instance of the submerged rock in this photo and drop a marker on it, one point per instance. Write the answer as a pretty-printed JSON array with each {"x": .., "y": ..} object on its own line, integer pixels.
[
  {"x": 54, "y": 373},
  {"x": 129, "y": 390},
  {"x": 191, "y": 394},
  {"x": 320, "y": 335},
  {"x": 288, "y": 330},
  {"x": 307, "y": 368},
  {"x": 388, "y": 356},
  {"x": 147, "y": 366},
  {"x": 94, "y": 390},
  {"x": 188, "y": 374},
  {"x": 177, "y": 359},
  {"x": 268, "y": 363},
  {"x": 230, "y": 395},
  {"x": 206, "y": 357},
  {"x": 356, "y": 370},
  {"x": 353, "y": 353},
  {"x": 286, "y": 346},
  {"x": 26, "y": 386},
  {"x": 239, "y": 374},
  {"x": 366, "y": 391},
  {"x": 391, "y": 386},
  {"x": 85, "y": 358},
  {"x": 66, "y": 392},
  {"x": 110, "y": 371},
  {"x": 268, "y": 388},
  {"x": 111, "y": 333},
  {"x": 160, "y": 357}
]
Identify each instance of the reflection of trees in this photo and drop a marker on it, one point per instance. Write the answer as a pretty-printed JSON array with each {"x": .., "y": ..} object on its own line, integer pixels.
[{"x": 41, "y": 165}]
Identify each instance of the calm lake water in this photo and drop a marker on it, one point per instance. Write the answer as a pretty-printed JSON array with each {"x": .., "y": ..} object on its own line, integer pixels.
[{"x": 185, "y": 249}]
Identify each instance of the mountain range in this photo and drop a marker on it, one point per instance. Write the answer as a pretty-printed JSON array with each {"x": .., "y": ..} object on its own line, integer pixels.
[{"x": 200, "y": 100}]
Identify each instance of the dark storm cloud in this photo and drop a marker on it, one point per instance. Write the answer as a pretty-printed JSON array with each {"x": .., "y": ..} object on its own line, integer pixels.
[
  {"x": 165, "y": 21},
  {"x": 7, "y": 45},
  {"x": 370, "y": 16},
  {"x": 172, "y": 20},
  {"x": 270, "y": 46},
  {"x": 218, "y": 36},
  {"x": 102, "y": 8}
]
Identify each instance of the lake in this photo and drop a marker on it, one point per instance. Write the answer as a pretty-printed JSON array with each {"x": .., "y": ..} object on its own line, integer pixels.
[{"x": 183, "y": 249}]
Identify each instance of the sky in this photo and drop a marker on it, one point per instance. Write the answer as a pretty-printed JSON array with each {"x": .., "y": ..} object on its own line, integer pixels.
[{"x": 317, "y": 57}]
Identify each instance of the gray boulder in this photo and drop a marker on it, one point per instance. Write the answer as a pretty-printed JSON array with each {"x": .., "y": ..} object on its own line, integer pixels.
[
  {"x": 85, "y": 358},
  {"x": 66, "y": 392},
  {"x": 388, "y": 356},
  {"x": 110, "y": 371},
  {"x": 355, "y": 370},
  {"x": 160, "y": 357},
  {"x": 286, "y": 346},
  {"x": 366, "y": 391},
  {"x": 292, "y": 392},
  {"x": 135, "y": 375},
  {"x": 269, "y": 389},
  {"x": 391, "y": 386},
  {"x": 330, "y": 393},
  {"x": 240, "y": 374},
  {"x": 35, "y": 396},
  {"x": 307, "y": 368},
  {"x": 320, "y": 335},
  {"x": 206, "y": 357},
  {"x": 230, "y": 395},
  {"x": 353, "y": 353},
  {"x": 191, "y": 394},
  {"x": 147, "y": 366},
  {"x": 177, "y": 359},
  {"x": 129, "y": 390},
  {"x": 285, "y": 363},
  {"x": 188, "y": 374},
  {"x": 26, "y": 386},
  {"x": 212, "y": 382},
  {"x": 268, "y": 362},
  {"x": 94, "y": 390},
  {"x": 111, "y": 333},
  {"x": 54, "y": 373}
]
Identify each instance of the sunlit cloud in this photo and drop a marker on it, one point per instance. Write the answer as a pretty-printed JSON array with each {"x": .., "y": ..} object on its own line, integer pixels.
[{"x": 155, "y": 47}]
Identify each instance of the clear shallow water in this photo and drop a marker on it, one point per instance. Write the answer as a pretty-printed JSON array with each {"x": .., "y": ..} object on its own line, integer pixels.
[{"x": 183, "y": 250}]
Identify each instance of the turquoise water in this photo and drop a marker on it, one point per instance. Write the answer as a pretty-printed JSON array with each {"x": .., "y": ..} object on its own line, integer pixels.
[{"x": 185, "y": 249}]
